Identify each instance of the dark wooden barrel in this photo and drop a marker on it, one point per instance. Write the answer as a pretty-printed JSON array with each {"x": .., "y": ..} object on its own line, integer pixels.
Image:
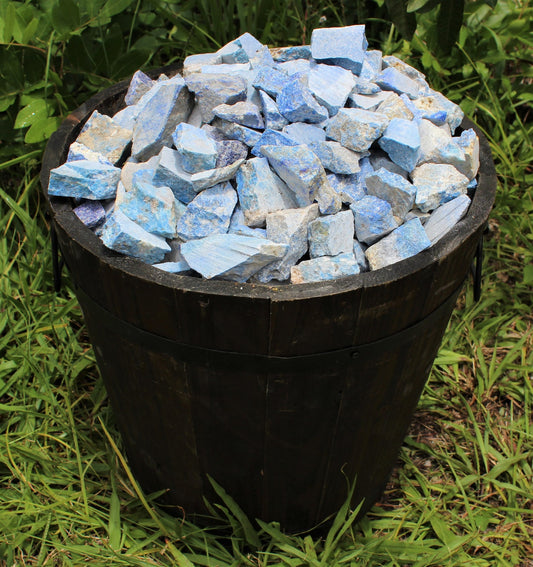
[{"x": 282, "y": 394}]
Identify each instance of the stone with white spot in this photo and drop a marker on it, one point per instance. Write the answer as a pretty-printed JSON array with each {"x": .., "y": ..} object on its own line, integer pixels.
[
  {"x": 437, "y": 183},
  {"x": 303, "y": 133},
  {"x": 373, "y": 219},
  {"x": 356, "y": 129},
  {"x": 331, "y": 86},
  {"x": 273, "y": 118},
  {"x": 84, "y": 179},
  {"x": 197, "y": 150},
  {"x": 243, "y": 112},
  {"x": 325, "y": 268},
  {"x": 445, "y": 217},
  {"x": 344, "y": 46},
  {"x": 297, "y": 104},
  {"x": 401, "y": 141},
  {"x": 331, "y": 235},
  {"x": 394, "y": 189},
  {"x": 140, "y": 84},
  {"x": 336, "y": 158}
]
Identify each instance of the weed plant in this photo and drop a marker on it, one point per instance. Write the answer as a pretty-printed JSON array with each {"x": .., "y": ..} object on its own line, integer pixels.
[{"x": 461, "y": 494}]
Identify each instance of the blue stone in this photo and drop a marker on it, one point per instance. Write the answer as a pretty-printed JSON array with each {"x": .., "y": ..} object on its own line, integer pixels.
[
  {"x": 371, "y": 65},
  {"x": 437, "y": 183},
  {"x": 272, "y": 138},
  {"x": 325, "y": 268},
  {"x": 331, "y": 234},
  {"x": 344, "y": 46},
  {"x": 139, "y": 85},
  {"x": 271, "y": 80},
  {"x": 282, "y": 54},
  {"x": 405, "y": 241},
  {"x": 273, "y": 118},
  {"x": 173, "y": 267},
  {"x": 331, "y": 86},
  {"x": 84, "y": 180},
  {"x": 445, "y": 217},
  {"x": 91, "y": 213},
  {"x": 125, "y": 236},
  {"x": 436, "y": 102},
  {"x": 194, "y": 63},
  {"x": 391, "y": 79},
  {"x": 359, "y": 253},
  {"x": 237, "y": 225},
  {"x": 373, "y": 219},
  {"x": 237, "y": 132},
  {"x": 295, "y": 66},
  {"x": 169, "y": 173},
  {"x": 244, "y": 113},
  {"x": 208, "y": 213},
  {"x": 210, "y": 177},
  {"x": 401, "y": 140},
  {"x": 126, "y": 117},
  {"x": 394, "y": 189},
  {"x": 356, "y": 129},
  {"x": 197, "y": 150},
  {"x": 230, "y": 151},
  {"x": 233, "y": 53},
  {"x": 336, "y": 158},
  {"x": 249, "y": 43},
  {"x": 77, "y": 152},
  {"x": 303, "y": 133},
  {"x": 350, "y": 188},
  {"x": 297, "y": 104}
]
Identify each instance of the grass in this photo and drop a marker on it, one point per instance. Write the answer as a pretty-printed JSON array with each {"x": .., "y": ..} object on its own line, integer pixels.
[{"x": 460, "y": 495}]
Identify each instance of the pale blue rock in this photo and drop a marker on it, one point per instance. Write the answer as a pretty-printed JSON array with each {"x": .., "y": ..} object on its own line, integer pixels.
[
  {"x": 233, "y": 53},
  {"x": 405, "y": 241},
  {"x": 210, "y": 177},
  {"x": 395, "y": 106},
  {"x": 130, "y": 167},
  {"x": 261, "y": 192},
  {"x": 236, "y": 69},
  {"x": 356, "y": 129},
  {"x": 303, "y": 133},
  {"x": 359, "y": 253},
  {"x": 271, "y": 80},
  {"x": 230, "y": 256},
  {"x": 404, "y": 68},
  {"x": 173, "y": 267},
  {"x": 325, "y": 268},
  {"x": 103, "y": 136},
  {"x": 243, "y": 112},
  {"x": 373, "y": 219},
  {"x": 401, "y": 140},
  {"x": 166, "y": 105},
  {"x": 469, "y": 143},
  {"x": 237, "y": 132},
  {"x": 350, "y": 188},
  {"x": 367, "y": 101},
  {"x": 295, "y": 66},
  {"x": 91, "y": 213},
  {"x": 237, "y": 226},
  {"x": 301, "y": 170},
  {"x": 365, "y": 88},
  {"x": 126, "y": 117},
  {"x": 139, "y": 85},
  {"x": 331, "y": 235},
  {"x": 394, "y": 189},
  {"x": 79, "y": 151},
  {"x": 282, "y": 54},
  {"x": 197, "y": 150},
  {"x": 331, "y": 86},
  {"x": 273, "y": 118},
  {"x": 272, "y": 138},
  {"x": 194, "y": 63},
  {"x": 390, "y": 79},
  {"x": 262, "y": 58},
  {"x": 195, "y": 117},
  {"x": 249, "y": 43},
  {"x": 84, "y": 179},
  {"x": 336, "y": 158},
  {"x": 445, "y": 217},
  {"x": 297, "y": 104},
  {"x": 436, "y": 102},
  {"x": 152, "y": 208},
  {"x": 344, "y": 46},
  {"x": 125, "y": 236},
  {"x": 379, "y": 159},
  {"x": 170, "y": 173},
  {"x": 436, "y": 184},
  {"x": 230, "y": 151},
  {"x": 438, "y": 146},
  {"x": 288, "y": 227},
  {"x": 372, "y": 64},
  {"x": 208, "y": 213},
  {"x": 417, "y": 214},
  {"x": 214, "y": 89}
]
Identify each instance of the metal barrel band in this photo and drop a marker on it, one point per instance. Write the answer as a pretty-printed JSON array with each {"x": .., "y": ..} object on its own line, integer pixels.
[{"x": 101, "y": 318}]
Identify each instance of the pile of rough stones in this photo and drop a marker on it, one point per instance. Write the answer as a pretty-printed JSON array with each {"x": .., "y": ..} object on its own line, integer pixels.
[{"x": 304, "y": 163}]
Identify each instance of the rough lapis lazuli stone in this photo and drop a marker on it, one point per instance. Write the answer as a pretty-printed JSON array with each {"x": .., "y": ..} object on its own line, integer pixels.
[
  {"x": 344, "y": 46},
  {"x": 371, "y": 65},
  {"x": 214, "y": 89},
  {"x": 140, "y": 84},
  {"x": 272, "y": 138},
  {"x": 325, "y": 268},
  {"x": 151, "y": 207},
  {"x": 331, "y": 86},
  {"x": 173, "y": 267},
  {"x": 379, "y": 159},
  {"x": 261, "y": 191},
  {"x": 401, "y": 140},
  {"x": 208, "y": 213},
  {"x": 349, "y": 187},
  {"x": 210, "y": 177},
  {"x": 359, "y": 253},
  {"x": 297, "y": 104},
  {"x": 282, "y": 54},
  {"x": 469, "y": 143},
  {"x": 367, "y": 101},
  {"x": 390, "y": 79},
  {"x": 233, "y": 53},
  {"x": 234, "y": 257},
  {"x": 331, "y": 235},
  {"x": 405, "y": 241},
  {"x": 392, "y": 188},
  {"x": 249, "y": 43},
  {"x": 303, "y": 133},
  {"x": 438, "y": 146},
  {"x": 445, "y": 217},
  {"x": 336, "y": 158},
  {"x": 230, "y": 151},
  {"x": 373, "y": 219},
  {"x": 127, "y": 237},
  {"x": 356, "y": 129},
  {"x": 395, "y": 106},
  {"x": 168, "y": 104},
  {"x": 271, "y": 80},
  {"x": 102, "y": 135},
  {"x": 169, "y": 173},
  {"x": 237, "y": 132},
  {"x": 197, "y": 150},
  {"x": 126, "y": 117},
  {"x": 435, "y": 102},
  {"x": 193, "y": 63},
  {"x": 84, "y": 180},
  {"x": 243, "y": 112},
  {"x": 437, "y": 183},
  {"x": 91, "y": 213},
  {"x": 237, "y": 225},
  {"x": 79, "y": 151},
  {"x": 273, "y": 118}
]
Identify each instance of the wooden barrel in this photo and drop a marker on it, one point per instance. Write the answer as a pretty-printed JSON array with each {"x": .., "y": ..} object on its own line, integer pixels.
[{"x": 282, "y": 394}]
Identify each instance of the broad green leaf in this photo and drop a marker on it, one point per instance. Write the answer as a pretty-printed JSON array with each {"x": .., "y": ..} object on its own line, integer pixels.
[
  {"x": 114, "y": 521},
  {"x": 9, "y": 22},
  {"x": 30, "y": 30},
  {"x": 414, "y": 5},
  {"x": 31, "y": 113},
  {"x": 449, "y": 21},
  {"x": 404, "y": 21},
  {"x": 6, "y": 102},
  {"x": 42, "y": 130},
  {"x": 65, "y": 16},
  {"x": 528, "y": 274},
  {"x": 114, "y": 7}
]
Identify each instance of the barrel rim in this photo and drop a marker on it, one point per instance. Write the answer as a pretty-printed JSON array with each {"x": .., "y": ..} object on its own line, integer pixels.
[{"x": 62, "y": 213}]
